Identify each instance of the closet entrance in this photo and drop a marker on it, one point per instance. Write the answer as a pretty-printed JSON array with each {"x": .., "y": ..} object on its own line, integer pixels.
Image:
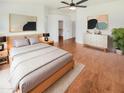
[{"x": 60, "y": 30}]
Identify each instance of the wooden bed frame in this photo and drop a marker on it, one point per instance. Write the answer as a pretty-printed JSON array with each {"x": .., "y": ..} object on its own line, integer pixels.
[
  {"x": 53, "y": 78},
  {"x": 11, "y": 38},
  {"x": 50, "y": 80}
]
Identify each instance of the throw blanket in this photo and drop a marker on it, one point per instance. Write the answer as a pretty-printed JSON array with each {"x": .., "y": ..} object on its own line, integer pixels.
[{"x": 26, "y": 62}]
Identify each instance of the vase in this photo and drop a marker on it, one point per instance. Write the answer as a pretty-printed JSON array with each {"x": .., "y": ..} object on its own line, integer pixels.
[{"x": 120, "y": 52}]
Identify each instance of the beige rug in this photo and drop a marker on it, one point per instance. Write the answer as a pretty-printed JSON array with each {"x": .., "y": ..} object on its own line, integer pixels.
[
  {"x": 4, "y": 84},
  {"x": 59, "y": 87},
  {"x": 62, "y": 85}
]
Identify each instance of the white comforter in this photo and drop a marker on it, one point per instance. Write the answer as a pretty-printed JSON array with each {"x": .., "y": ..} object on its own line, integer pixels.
[{"x": 29, "y": 59}]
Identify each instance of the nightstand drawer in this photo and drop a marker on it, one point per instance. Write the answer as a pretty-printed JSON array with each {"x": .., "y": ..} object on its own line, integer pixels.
[{"x": 3, "y": 53}]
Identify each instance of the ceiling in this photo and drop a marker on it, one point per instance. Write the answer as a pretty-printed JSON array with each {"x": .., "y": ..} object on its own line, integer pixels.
[{"x": 56, "y": 3}]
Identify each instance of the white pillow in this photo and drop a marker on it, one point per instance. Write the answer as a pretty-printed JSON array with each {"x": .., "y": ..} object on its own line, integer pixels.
[
  {"x": 33, "y": 41},
  {"x": 20, "y": 42}
]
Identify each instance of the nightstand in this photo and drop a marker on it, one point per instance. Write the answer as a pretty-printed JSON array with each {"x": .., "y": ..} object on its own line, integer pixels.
[
  {"x": 3, "y": 57},
  {"x": 50, "y": 42}
]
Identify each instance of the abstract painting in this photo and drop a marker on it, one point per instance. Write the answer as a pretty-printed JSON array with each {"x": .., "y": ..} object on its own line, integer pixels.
[
  {"x": 98, "y": 22},
  {"x": 21, "y": 23}
]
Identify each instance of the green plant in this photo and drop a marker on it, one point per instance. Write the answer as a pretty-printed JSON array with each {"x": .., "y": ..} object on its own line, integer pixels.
[{"x": 118, "y": 38}]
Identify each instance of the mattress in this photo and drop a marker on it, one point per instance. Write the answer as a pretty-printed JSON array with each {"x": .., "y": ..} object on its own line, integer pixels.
[{"x": 33, "y": 64}]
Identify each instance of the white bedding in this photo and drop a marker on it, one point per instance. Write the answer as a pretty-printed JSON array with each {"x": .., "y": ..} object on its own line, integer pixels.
[
  {"x": 21, "y": 50},
  {"x": 35, "y": 61}
]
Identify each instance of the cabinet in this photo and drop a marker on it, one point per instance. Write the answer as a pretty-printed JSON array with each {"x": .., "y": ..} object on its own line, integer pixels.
[{"x": 98, "y": 41}]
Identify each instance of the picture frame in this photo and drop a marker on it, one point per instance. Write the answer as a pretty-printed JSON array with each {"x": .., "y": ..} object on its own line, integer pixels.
[{"x": 22, "y": 23}]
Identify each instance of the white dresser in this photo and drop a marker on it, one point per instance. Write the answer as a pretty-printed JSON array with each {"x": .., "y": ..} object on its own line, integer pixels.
[{"x": 98, "y": 41}]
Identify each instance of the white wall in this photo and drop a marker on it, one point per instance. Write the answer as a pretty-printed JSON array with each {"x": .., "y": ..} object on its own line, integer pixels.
[
  {"x": 53, "y": 26},
  {"x": 114, "y": 10},
  {"x": 23, "y": 9}
]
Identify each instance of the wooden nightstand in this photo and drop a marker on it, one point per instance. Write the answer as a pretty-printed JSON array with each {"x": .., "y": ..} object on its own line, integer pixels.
[
  {"x": 50, "y": 42},
  {"x": 3, "y": 57}
]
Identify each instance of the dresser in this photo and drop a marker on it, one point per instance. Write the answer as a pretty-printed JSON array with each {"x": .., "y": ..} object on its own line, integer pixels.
[{"x": 97, "y": 41}]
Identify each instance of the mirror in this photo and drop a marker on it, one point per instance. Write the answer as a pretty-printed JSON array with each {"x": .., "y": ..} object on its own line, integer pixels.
[{"x": 21, "y": 23}]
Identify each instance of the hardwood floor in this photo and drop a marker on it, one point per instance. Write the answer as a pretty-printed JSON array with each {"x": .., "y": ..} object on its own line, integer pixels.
[
  {"x": 104, "y": 72},
  {"x": 4, "y": 66}
]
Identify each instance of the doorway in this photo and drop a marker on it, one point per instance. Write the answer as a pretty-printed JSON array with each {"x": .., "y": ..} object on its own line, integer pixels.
[{"x": 60, "y": 30}]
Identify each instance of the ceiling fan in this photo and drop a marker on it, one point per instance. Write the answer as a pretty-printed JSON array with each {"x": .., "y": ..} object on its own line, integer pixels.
[{"x": 73, "y": 5}]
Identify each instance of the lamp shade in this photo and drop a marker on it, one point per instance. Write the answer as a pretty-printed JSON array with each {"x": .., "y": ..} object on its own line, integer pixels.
[
  {"x": 2, "y": 38},
  {"x": 46, "y": 34}
]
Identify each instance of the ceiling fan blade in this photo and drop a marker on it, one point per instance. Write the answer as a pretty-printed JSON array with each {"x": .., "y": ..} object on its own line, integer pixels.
[
  {"x": 65, "y": 2},
  {"x": 71, "y": 1},
  {"x": 63, "y": 7},
  {"x": 81, "y": 6},
  {"x": 82, "y": 1}
]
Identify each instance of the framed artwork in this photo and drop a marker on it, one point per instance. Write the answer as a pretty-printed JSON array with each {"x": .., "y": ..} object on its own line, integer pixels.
[
  {"x": 99, "y": 23},
  {"x": 21, "y": 23}
]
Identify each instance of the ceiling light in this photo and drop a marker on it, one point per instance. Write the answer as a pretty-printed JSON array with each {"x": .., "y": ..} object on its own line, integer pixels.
[{"x": 72, "y": 8}]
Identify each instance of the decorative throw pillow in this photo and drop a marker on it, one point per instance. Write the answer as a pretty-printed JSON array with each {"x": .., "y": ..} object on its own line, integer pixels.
[
  {"x": 20, "y": 42},
  {"x": 33, "y": 40}
]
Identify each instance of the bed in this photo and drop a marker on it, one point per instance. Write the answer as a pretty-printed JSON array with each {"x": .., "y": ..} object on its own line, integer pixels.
[{"x": 36, "y": 67}]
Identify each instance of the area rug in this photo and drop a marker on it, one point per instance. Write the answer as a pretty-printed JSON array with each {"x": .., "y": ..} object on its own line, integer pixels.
[
  {"x": 62, "y": 85},
  {"x": 4, "y": 84},
  {"x": 58, "y": 87}
]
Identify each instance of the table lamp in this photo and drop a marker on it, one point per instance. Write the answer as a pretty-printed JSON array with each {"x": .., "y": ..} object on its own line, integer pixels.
[{"x": 46, "y": 35}]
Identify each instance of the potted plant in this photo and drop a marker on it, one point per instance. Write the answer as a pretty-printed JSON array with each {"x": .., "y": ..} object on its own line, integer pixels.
[{"x": 118, "y": 40}]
